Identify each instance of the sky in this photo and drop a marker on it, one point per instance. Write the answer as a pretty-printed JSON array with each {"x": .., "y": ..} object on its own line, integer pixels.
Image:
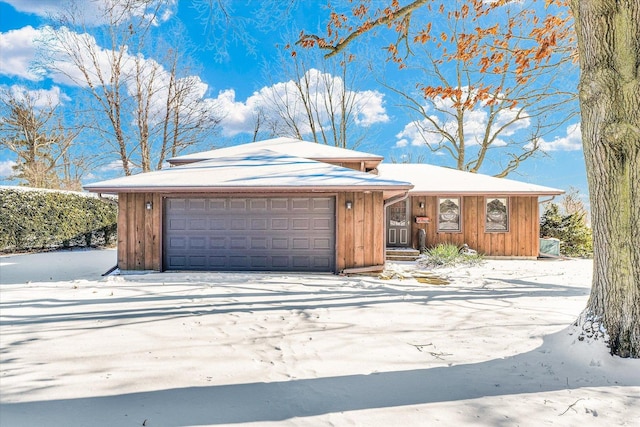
[{"x": 238, "y": 75}]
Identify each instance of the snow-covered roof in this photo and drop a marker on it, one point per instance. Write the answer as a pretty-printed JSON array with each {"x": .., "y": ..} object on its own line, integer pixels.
[
  {"x": 429, "y": 179},
  {"x": 257, "y": 171},
  {"x": 290, "y": 146}
]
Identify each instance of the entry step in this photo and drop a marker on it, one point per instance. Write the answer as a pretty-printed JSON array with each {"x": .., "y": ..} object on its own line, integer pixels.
[{"x": 402, "y": 254}]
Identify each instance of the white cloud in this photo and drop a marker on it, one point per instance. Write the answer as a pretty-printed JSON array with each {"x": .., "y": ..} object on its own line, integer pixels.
[
  {"x": 115, "y": 165},
  {"x": 92, "y": 12},
  {"x": 239, "y": 116},
  {"x": 370, "y": 108},
  {"x": 40, "y": 97},
  {"x": 270, "y": 101},
  {"x": 572, "y": 141},
  {"x": 401, "y": 143},
  {"x": 42, "y": 8},
  {"x": 6, "y": 168},
  {"x": 18, "y": 49}
]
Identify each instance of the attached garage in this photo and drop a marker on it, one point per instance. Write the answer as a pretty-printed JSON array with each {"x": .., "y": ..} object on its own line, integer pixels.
[
  {"x": 255, "y": 210},
  {"x": 249, "y": 233}
]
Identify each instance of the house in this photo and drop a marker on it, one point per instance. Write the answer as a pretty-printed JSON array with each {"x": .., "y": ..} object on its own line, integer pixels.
[
  {"x": 289, "y": 205},
  {"x": 497, "y": 217}
]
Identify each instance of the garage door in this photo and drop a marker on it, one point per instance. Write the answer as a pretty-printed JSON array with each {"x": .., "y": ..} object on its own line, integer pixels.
[{"x": 236, "y": 234}]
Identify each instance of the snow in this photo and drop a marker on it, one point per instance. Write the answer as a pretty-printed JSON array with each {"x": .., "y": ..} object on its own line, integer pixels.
[
  {"x": 438, "y": 180},
  {"x": 283, "y": 145},
  {"x": 492, "y": 347},
  {"x": 258, "y": 170}
]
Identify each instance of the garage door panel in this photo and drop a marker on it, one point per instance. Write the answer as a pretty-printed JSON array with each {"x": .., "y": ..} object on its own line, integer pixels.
[
  {"x": 279, "y": 223},
  {"x": 301, "y": 204},
  {"x": 237, "y": 204},
  {"x": 319, "y": 243},
  {"x": 195, "y": 205},
  {"x": 279, "y": 243},
  {"x": 197, "y": 243},
  {"x": 217, "y": 205},
  {"x": 279, "y": 205},
  {"x": 258, "y": 243},
  {"x": 258, "y": 204},
  {"x": 259, "y": 224},
  {"x": 322, "y": 224},
  {"x": 217, "y": 242},
  {"x": 284, "y": 234},
  {"x": 300, "y": 224}
]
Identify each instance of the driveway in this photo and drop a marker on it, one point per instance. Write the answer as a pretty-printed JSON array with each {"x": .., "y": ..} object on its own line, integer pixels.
[{"x": 56, "y": 266}]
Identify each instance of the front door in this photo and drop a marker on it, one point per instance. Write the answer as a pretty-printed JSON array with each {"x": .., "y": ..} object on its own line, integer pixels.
[{"x": 398, "y": 224}]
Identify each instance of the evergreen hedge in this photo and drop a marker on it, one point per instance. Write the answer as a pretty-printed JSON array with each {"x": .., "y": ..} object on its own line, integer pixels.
[
  {"x": 33, "y": 219},
  {"x": 575, "y": 237}
]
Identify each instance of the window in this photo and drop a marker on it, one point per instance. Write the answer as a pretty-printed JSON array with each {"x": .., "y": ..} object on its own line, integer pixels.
[
  {"x": 449, "y": 214},
  {"x": 497, "y": 214}
]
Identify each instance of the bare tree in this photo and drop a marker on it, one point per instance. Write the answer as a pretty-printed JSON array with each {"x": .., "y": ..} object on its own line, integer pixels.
[
  {"x": 466, "y": 83},
  {"x": 322, "y": 105},
  {"x": 224, "y": 24},
  {"x": 468, "y": 109},
  {"x": 145, "y": 111},
  {"x": 31, "y": 127}
]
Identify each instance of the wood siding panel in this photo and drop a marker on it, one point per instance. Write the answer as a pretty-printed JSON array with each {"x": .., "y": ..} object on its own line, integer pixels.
[
  {"x": 139, "y": 230},
  {"x": 349, "y": 232},
  {"x": 368, "y": 249},
  {"x": 131, "y": 232},
  {"x": 431, "y": 210},
  {"x": 156, "y": 240},
  {"x": 148, "y": 231},
  {"x": 341, "y": 245},
  {"x": 378, "y": 228},
  {"x": 520, "y": 240},
  {"x": 470, "y": 218},
  {"x": 521, "y": 227},
  {"x": 360, "y": 230},
  {"x": 122, "y": 230}
]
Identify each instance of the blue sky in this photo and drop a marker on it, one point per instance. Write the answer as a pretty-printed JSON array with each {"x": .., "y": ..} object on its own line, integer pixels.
[{"x": 238, "y": 80}]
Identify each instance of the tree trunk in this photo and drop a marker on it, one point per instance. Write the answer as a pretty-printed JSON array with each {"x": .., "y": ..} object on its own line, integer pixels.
[{"x": 609, "y": 50}]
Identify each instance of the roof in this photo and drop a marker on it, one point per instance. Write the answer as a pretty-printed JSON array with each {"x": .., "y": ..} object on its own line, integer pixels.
[
  {"x": 432, "y": 180},
  {"x": 290, "y": 146},
  {"x": 258, "y": 171}
]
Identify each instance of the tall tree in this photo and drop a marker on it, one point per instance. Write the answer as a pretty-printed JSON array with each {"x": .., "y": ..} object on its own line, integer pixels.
[
  {"x": 473, "y": 93},
  {"x": 608, "y": 33},
  {"x": 609, "y": 49},
  {"x": 31, "y": 127},
  {"x": 144, "y": 110}
]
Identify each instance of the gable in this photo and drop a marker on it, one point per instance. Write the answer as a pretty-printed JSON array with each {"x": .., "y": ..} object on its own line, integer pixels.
[
  {"x": 259, "y": 170},
  {"x": 294, "y": 147}
]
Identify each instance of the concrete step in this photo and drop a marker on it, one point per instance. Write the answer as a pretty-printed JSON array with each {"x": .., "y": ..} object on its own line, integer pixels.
[
  {"x": 401, "y": 258},
  {"x": 402, "y": 254}
]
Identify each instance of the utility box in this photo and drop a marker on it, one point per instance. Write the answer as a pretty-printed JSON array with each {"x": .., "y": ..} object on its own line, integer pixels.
[{"x": 550, "y": 246}]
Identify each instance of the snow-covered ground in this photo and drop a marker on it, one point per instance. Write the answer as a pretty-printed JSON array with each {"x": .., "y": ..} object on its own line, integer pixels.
[{"x": 491, "y": 348}]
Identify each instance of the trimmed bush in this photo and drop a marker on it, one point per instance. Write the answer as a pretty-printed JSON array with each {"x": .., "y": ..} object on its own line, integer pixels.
[
  {"x": 33, "y": 219},
  {"x": 447, "y": 255}
]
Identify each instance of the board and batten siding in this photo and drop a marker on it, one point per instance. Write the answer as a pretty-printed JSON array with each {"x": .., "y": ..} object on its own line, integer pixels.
[
  {"x": 359, "y": 230},
  {"x": 139, "y": 231},
  {"x": 522, "y": 239}
]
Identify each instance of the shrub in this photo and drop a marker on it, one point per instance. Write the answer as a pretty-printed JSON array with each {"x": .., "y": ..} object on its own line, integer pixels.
[
  {"x": 38, "y": 219},
  {"x": 447, "y": 254},
  {"x": 575, "y": 237}
]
